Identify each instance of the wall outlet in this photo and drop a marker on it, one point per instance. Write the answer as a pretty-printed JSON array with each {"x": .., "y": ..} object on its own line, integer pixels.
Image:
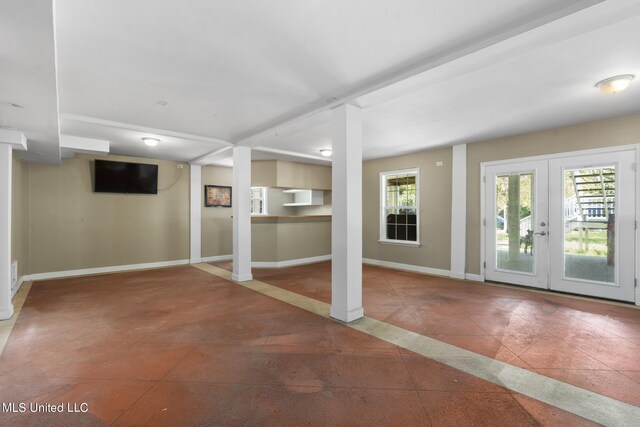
[{"x": 439, "y": 163}]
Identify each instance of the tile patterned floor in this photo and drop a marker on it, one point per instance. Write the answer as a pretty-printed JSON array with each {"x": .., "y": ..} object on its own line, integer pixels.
[
  {"x": 181, "y": 347},
  {"x": 590, "y": 344}
]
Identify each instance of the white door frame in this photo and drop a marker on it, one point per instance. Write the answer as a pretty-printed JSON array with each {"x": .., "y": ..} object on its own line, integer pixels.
[{"x": 483, "y": 219}]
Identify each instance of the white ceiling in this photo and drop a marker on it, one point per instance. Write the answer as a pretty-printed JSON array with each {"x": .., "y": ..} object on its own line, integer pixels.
[
  {"x": 28, "y": 75},
  {"x": 204, "y": 75}
]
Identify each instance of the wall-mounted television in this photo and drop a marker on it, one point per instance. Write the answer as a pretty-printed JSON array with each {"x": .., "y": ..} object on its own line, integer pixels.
[{"x": 122, "y": 177}]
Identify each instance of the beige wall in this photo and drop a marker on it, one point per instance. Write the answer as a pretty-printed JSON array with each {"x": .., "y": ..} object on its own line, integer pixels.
[
  {"x": 71, "y": 227},
  {"x": 302, "y": 175},
  {"x": 264, "y": 173},
  {"x": 19, "y": 214},
  {"x": 604, "y": 133},
  {"x": 304, "y": 238},
  {"x": 435, "y": 209},
  {"x": 216, "y": 230},
  {"x": 275, "y": 239}
]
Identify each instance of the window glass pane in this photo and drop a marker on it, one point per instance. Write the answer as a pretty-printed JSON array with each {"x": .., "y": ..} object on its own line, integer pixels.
[
  {"x": 257, "y": 200},
  {"x": 401, "y": 232},
  {"x": 391, "y": 231},
  {"x": 589, "y": 224},
  {"x": 400, "y": 201},
  {"x": 412, "y": 233},
  {"x": 514, "y": 222},
  {"x": 391, "y": 198},
  {"x": 402, "y": 217}
]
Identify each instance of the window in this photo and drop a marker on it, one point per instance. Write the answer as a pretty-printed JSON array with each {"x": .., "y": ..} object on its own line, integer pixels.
[
  {"x": 258, "y": 201},
  {"x": 399, "y": 207}
]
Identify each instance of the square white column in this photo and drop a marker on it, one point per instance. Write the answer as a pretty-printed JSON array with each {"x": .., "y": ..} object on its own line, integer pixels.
[
  {"x": 346, "y": 224},
  {"x": 195, "y": 213},
  {"x": 459, "y": 211},
  {"x": 6, "y": 308},
  {"x": 241, "y": 206}
]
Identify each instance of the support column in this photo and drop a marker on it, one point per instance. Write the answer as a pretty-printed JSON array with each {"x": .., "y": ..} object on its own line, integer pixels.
[
  {"x": 459, "y": 211},
  {"x": 241, "y": 205},
  {"x": 6, "y": 308},
  {"x": 196, "y": 213},
  {"x": 346, "y": 224},
  {"x": 9, "y": 139}
]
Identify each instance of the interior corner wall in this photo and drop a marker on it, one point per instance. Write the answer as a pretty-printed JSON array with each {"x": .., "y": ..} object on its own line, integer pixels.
[
  {"x": 72, "y": 228},
  {"x": 19, "y": 215},
  {"x": 217, "y": 228},
  {"x": 435, "y": 209},
  {"x": 597, "y": 134}
]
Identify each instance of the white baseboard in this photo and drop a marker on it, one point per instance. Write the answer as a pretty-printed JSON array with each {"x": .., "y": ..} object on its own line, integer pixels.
[
  {"x": 474, "y": 277},
  {"x": 102, "y": 270},
  {"x": 344, "y": 315},
  {"x": 407, "y": 267},
  {"x": 291, "y": 262},
  {"x": 15, "y": 290},
  {"x": 6, "y": 313},
  {"x": 460, "y": 276},
  {"x": 214, "y": 259}
]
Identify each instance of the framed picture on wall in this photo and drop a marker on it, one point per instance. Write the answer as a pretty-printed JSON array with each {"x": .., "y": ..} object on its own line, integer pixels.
[{"x": 217, "y": 196}]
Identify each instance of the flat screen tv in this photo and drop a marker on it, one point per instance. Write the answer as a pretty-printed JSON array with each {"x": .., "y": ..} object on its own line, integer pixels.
[{"x": 122, "y": 177}]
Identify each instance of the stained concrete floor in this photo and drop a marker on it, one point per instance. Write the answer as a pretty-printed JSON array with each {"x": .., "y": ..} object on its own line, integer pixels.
[{"x": 179, "y": 346}]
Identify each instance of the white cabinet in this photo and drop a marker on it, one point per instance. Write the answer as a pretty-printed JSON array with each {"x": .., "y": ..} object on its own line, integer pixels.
[{"x": 305, "y": 197}]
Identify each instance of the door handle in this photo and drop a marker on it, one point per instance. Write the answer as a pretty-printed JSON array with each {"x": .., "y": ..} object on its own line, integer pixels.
[{"x": 542, "y": 233}]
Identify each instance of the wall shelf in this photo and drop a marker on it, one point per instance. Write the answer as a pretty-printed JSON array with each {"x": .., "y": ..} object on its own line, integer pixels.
[{"x": 305, "y": 197}]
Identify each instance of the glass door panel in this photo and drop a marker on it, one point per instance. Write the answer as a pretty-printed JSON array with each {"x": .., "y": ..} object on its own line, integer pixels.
[
  {"x": 589, "y": 223},
  {"x": 516, "y": 219},
  {"x": 592, "y": 225},
  {"x": 514, "y": 235}
]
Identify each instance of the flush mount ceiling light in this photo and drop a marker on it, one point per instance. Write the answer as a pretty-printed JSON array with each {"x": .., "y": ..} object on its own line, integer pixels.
[
  {"x": 151, "y": 142},
  {"x": 326, "y": 152},
  {"x": 615, "y": 84}
]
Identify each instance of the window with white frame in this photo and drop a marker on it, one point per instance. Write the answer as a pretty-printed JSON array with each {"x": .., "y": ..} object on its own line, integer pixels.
[
  {"x": 399, "y": 207},
  {"x": 258, "y": 201}
]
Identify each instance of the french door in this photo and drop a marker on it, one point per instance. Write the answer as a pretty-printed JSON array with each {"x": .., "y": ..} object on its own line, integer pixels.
[{"x": 566, "y": 224}]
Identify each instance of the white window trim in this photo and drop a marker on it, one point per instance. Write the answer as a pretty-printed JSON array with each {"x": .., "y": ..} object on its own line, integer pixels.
[
  {"x": 265, "y": 202},
  {"x": 383, "y": 198}
]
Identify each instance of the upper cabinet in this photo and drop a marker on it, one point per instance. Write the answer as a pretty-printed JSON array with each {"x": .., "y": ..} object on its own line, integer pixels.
[{"x": 278, "y": 173}]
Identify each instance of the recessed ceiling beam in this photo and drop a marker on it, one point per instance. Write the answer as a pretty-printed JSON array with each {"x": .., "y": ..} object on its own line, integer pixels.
[
  {"x": 219, "y": 154},
  {"x": 423, "y": 65},
  {"x": 70, "y": 144},
  {"x": 291, "y": 153},
  {"x": 14, "y": 138},
  {"x": 128, "y": 126}
]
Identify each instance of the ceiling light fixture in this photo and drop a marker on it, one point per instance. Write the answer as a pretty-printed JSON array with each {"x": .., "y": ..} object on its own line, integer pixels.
[
  {"x": 615, "y": 84},
  {"x": 326, "y": 152},
  {"x": 151, "y": 142}
]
